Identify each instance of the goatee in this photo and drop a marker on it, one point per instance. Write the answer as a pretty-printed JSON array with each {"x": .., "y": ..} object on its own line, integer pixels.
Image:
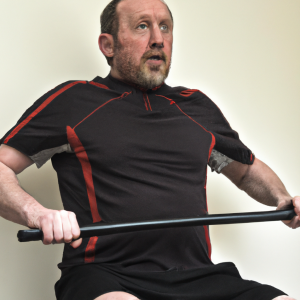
[{"x": 145, "y": 76}]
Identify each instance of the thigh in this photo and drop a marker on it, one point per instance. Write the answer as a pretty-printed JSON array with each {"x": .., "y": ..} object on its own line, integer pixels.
[{"x": 89, "y": 282}]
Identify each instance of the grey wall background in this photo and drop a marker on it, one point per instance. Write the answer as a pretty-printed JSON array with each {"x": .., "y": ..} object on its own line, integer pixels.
[{"x": 243, "y": 54}]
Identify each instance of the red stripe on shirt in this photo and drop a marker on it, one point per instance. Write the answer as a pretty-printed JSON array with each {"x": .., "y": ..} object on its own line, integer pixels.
[
  {"x": 99, "y": 85},
  {"x": 39, "y": 109},
  {"x": 122, "y": 96},
  {"x": 149, "y": 102},
  {"x": 207, "y": 241},
  {"x": 89, "y": 256},
  {"x": 212, "y": 144},
  {"x": 213, "y": 141},
  {"x": 87, "y": 171},
  {"x": 145, "y": 101}
]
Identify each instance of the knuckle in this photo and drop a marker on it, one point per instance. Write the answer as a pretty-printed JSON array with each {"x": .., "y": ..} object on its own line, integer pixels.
[
  {"x": 47, "y": 239},
  {"x": 68, "y": 240},
  {"x": 59, "y": 239},
  {"x": 57, "y": 214},
  {"x": 63, "y": 212},
  {"x": 72, "y": 214}
]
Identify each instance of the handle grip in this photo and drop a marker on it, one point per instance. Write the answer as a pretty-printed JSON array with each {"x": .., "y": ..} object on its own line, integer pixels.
[{"x": 101, "y": 228}]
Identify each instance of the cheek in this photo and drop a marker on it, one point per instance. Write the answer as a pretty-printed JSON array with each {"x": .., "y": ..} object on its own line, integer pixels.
[{"x": 168, "y": 42}]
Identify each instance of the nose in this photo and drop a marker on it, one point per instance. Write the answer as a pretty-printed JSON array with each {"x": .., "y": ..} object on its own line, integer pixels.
[{"x": 156, "y": 38}]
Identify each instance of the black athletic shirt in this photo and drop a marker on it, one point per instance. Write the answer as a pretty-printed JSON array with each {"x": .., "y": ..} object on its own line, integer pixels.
[{"x": 124, "y": 154}]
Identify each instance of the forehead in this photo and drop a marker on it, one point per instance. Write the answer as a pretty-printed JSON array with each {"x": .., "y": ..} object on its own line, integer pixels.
[{"x": 132, "y": 10}]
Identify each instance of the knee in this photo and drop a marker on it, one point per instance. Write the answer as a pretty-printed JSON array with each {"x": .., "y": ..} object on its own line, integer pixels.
[
  {"x": 117, "y": 296},
  {"x": 284, "y": 298}
]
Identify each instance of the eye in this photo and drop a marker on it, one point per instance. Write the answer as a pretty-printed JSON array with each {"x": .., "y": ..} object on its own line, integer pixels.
[
  {"x": 164, "y": 27},
  {"x": 142, "y": 26}
]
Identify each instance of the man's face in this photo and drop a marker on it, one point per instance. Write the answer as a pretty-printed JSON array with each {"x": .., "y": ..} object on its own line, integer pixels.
[{"x": 144, "y": 46}]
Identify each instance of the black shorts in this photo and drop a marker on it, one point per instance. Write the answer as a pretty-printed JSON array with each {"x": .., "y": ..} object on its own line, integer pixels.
[{"x": 218, "y": 282}]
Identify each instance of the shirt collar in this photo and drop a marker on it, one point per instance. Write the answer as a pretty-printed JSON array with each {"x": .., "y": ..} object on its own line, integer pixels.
[{"x": 121, "y": 86}]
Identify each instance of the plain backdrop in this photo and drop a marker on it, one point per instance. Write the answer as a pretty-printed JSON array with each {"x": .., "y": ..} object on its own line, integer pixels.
[{"x": 243, "y": 54}]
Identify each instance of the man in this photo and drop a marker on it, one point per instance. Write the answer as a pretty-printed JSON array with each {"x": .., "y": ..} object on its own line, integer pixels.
[{"x": 147, "y": 163}]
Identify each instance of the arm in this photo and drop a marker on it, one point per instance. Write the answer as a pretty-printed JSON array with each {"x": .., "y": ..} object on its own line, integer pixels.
[
  {"x": 263, "y": 185},
  {"x": 19, "y": 207}
]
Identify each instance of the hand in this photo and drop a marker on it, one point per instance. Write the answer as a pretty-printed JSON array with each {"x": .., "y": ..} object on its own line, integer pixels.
[
  {"x": 58, "y": 227},
  {"x": 295, "y": 222}
]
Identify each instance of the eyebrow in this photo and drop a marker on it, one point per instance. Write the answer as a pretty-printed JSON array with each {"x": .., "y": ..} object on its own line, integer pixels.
[{"x": 146, "y": 16}]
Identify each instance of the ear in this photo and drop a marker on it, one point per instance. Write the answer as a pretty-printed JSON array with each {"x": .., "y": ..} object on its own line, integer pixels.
[{"x": 106, "y": 44}]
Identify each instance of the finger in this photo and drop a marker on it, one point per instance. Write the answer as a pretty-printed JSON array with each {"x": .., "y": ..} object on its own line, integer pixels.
[
  {"x": 47, "y": 228},
  {"x": 57, "y": 228},
  {"x": 74, "y": 225},
  {"x": 76, "y": 243},
  {"x": 294, "y": 223},
  {"x": 296, "y": 203},
  {"x": 66, "y": 226}
]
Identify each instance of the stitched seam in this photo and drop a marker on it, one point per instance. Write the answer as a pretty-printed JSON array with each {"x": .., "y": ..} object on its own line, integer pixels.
[
  {"x": 213, "y": 137},
  {"x": 149, "y": 102},
  {"x": 145, "y": 101},
  {"x": 122, "y": 96},
  {"x": 99, "y": 85},
  {"x": 185, "y": 113},
  {"x": 87, "y": 172},
  {"x": 40, "y": 108},
  {"x": 90, "y": 250},
  {"x": 207, "y": 241}
]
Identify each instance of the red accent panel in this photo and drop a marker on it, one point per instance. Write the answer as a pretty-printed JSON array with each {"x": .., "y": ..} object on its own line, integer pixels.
[
  {"x": 188, "y": 93},
  {"x": 207, "y": 238},
  {"x": 40, "y": 108},
  {"x": 99, "y": 85},
  {"x": 87, "y": 171},
  {"x": 212, "y": 144},
  {"x": 148, "y": 102},
  {"x": 251, "y": 157},
  {"x": 207, "y": 241},
  {"x": 166, "y": 98},
  {"x": 90, "y": 250},
  {"x": 122, "y": 96},
  {"x": 145, "y": 101}
]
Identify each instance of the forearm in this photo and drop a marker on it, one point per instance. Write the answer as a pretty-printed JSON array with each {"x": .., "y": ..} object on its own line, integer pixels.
[
  {"x": 259, "y": 182},
  {"x": 19, "y": 207},
  {"x": 15, "y": 204}
]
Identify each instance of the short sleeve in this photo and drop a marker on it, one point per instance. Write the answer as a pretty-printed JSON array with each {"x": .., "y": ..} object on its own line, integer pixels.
[{"x": 41, "y": 131}]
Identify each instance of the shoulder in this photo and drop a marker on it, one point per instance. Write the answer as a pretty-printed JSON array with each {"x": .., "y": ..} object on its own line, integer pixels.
[
  {"x": 186, "y": 95},
  {"x": 195, "y": 101}
]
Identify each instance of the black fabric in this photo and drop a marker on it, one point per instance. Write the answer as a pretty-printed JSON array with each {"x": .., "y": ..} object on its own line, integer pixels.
[
  {"x": 219, "y": 282},
  {"x": 148, "y": 154}
]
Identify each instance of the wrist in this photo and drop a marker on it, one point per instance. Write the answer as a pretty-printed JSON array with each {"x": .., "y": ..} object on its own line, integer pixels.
[{"x": 32, "y": 214}]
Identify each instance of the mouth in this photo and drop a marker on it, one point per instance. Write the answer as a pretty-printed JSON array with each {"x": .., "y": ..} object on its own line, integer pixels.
[{"x": 156, "y": 58}]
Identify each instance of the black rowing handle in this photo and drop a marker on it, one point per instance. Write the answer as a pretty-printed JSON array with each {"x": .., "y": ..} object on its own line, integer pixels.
[{"x": 101, "y": 228}]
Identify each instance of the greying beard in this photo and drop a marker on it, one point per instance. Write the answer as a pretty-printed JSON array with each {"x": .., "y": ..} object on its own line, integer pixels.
[
  {"x": 148, "y": 80},
  {"x": 140, "y": 75}
]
